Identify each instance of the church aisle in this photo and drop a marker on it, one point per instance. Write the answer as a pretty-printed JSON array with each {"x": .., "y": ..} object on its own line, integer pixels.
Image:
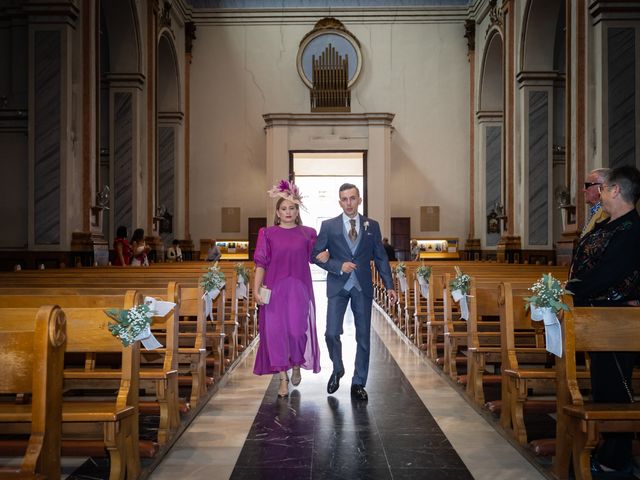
[{"x": 415, "y": 424}]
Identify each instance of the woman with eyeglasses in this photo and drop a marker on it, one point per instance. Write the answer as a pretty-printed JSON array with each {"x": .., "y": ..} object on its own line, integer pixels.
[{"x": 605, "y": 272}]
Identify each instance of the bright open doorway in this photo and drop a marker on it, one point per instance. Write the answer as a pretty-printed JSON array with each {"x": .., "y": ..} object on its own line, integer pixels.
[{"x": 319, "y": 176}]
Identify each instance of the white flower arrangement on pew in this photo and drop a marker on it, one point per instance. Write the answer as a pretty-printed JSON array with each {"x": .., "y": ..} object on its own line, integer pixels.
[
  {"x": 423, "y": 274},
  {"x": 212, "y": 282},
  {"x": 135, "y": 323},
  {"x": 460, "y": 290},
  {"x": 242, "y": 280},
  {"x": 130, "y": 324},
  {"x": 401, "y": 272},
  {"x": 548, "y": 292},
  {"x": 460, "y": 282},
  {"x": 545, "y": 303}
]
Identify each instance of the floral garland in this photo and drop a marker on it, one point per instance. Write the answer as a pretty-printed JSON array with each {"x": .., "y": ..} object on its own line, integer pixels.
[
  {"x": 460, "y": 282},
  {"x": 424, "y": 272},
  {"x": 548, "y": 293},
  {"x": 401, "y": 269},
  {"x": 130, "y": 323},
  {"x": 213, "y": 279},
  {"x": 242, "y": 272}
]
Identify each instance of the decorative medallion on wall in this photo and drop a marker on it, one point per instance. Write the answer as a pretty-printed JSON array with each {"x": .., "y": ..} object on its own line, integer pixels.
[{"x": 329, "y": 63}]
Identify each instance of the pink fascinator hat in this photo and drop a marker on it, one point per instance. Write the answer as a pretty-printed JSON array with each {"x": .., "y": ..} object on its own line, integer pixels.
[{"x": 288, "y": 191}]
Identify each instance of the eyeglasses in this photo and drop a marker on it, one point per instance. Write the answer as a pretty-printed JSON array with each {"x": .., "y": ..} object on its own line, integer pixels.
[
  {"x": 591, "y": 184},
  {"x": 604, "y": 186}
]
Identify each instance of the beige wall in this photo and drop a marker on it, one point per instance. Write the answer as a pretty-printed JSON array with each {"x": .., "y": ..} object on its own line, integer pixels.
[{"x": 417, "y": 71}]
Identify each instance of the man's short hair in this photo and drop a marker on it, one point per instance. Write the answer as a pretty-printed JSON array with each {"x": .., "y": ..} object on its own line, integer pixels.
[
  {"x": 348, "y": 186},
  {"x": 601, "y": 173},
  {"x": 627, "y": 178}
]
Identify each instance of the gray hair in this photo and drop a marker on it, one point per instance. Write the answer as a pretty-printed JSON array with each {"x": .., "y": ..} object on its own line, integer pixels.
[
  {"x": 627, "y": 178},
  {"x": 601, "y": 173}
]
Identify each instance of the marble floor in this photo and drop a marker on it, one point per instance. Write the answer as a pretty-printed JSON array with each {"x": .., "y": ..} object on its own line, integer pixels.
[{"x": 415, "y": 425}]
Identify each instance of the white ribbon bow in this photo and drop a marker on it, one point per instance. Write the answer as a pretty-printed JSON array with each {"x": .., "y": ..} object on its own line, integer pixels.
[
  {"x": 461, "y": 298},
  {"x": 552, "y": 328},
  {"x": 241, "y": 288},
  {"x": 403, "y": 282},
  {"x": 159, "y": 309},
  {"x": 209, "y": 297},
  {"x": 424, "y": 287}
]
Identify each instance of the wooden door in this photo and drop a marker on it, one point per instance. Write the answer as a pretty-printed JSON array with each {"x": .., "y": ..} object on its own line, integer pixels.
[
  {"x": 400, "y": 237},
  {"x": 255, "y": 224}
]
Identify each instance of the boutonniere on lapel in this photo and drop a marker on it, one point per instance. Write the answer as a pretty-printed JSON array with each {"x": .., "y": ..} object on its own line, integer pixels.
[{"x": 366, "y": 225}]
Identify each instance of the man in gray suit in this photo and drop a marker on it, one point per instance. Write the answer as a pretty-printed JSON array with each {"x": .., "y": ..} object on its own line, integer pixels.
[{"x": 352, "y": 241}]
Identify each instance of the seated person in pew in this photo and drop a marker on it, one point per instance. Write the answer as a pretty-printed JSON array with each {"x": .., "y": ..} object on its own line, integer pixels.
[
  {"x": 605, "y": 271},
  {"x": 140, "y": 249},
  {"x": 214, "y": 253},
  {"x": 121, "y": 248},
  {"x": 174, "y": 253}
]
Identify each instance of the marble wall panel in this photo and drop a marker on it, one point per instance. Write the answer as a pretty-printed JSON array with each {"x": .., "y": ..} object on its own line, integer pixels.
[
  {"x": 123, "y": 160},
  {"x": 166, "y": 173},
  {"x": 493, "y": 178},
  {"x": 621, "y": 76},
  {"x": 538, "y": 168},
  {"x": 47, "y": 136}
]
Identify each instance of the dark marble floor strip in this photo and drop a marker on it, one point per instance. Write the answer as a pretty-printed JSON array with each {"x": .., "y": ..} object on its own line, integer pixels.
[{"x": 312, "y": 435}]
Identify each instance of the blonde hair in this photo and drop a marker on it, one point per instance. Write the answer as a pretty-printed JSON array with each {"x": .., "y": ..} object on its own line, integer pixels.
[{"x": 276, "y": 219}]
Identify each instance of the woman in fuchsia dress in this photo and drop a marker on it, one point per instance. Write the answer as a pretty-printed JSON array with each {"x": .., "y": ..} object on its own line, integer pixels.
[{"x": 287, "y": 324}]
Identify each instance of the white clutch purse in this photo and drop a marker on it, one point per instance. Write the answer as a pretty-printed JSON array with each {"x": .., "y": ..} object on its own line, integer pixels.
[{"x": 265, "y": 294}]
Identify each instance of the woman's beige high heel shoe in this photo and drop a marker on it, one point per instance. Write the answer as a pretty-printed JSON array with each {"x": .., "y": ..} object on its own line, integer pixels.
[
  {"x": 283, "y": 391},
  {"x": 295, "y": 376}
]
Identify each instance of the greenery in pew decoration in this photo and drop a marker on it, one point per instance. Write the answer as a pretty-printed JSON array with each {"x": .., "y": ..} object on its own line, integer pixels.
[
  {"x": 424, "y": 272},
  {"x": 129, "y": 323},
  {"x": 241, "y": 270},
  {"x": 212, "y": 279},
  {"x": 460, "y": 282},
  {"x": 401, "y": 269},
  {"x": 547, "y": 293}
]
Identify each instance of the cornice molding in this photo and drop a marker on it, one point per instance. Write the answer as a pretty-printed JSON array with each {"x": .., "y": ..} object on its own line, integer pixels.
[
  {"x": 608, "y": 10},
  {"x": 170, "y": 118},
  {"x": 125, "y": 80},
  {"x": 327, "y": 119},
  {"x": 345, "y": 15},
  {"x": 489, "y": 115},
  {"x": 50, "y": 12},
  {"x": 14, "y": 121},
  {"x": 526, "y": 78}
]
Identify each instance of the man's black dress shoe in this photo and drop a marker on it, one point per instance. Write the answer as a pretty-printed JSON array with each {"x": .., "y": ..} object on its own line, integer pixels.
[
  {"x": 334, "y": 381},
  {"x": 359, "y": 393}
]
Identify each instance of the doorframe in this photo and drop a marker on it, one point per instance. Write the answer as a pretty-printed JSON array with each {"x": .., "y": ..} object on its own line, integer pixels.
[{"x": 292, "y": 175}]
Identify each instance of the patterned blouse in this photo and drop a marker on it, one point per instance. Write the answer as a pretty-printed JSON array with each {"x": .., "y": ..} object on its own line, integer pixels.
[{"x": 606, "y": 263}]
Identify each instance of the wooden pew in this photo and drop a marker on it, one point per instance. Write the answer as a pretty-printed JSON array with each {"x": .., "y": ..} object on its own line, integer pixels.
[
  {"x": 525, "y": 365},
  {"x": 580, "y": 423},
  {"x": 32, "y": 363},
  {"x": 159, "y": 368},
  {"x": 115, "y": 417},
  {"x": 429, "y": 316},
  {"x": 193, "y": 342}
]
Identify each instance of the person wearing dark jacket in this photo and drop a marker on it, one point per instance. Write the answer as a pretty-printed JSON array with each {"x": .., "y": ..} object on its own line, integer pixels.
[{"x": 605, "y": 272}]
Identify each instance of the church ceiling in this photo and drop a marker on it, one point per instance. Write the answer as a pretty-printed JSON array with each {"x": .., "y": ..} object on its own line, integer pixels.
[{"x": 289, "y": 4}]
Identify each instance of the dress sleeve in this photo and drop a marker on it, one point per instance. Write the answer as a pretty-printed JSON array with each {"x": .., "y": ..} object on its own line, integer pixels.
[
  {"x": 312, "y": 236},
  {"x": 262, "y": 255}
]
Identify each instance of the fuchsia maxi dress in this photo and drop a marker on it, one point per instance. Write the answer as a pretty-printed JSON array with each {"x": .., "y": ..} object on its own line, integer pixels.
[{"x": 287, "y": 325}]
